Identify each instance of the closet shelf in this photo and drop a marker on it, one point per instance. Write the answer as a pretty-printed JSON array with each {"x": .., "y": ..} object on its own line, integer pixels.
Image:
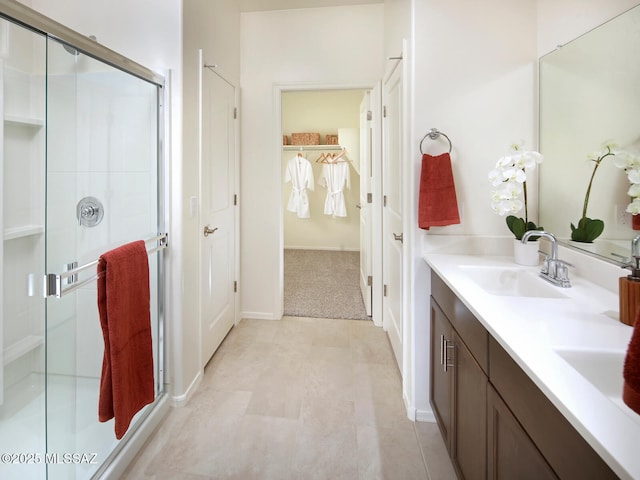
[
  {"x": 22, "y": 120},
  {"x": 22, "y": 231},
  {"x": 22, "y": 347},
  {"x": 311, "y": 147}
]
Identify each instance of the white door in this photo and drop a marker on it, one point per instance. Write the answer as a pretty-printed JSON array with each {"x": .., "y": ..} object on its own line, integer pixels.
[
  {"x": 392, "y": 210},
  {"x": 366, "y": 261},
  {"x": 217, "y": 211}
]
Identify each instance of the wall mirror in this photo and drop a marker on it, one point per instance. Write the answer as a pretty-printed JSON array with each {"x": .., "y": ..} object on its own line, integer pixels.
[{"x": 589, "y": 96}]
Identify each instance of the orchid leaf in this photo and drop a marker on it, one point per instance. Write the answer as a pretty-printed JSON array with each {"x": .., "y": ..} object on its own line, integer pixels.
[
  {"x": 518, "y": 227},
  {"x": 587, "y": 231}
]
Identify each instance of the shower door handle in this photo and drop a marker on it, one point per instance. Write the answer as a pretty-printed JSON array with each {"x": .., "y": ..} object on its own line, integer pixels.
[{"x": 208, "y": 231}]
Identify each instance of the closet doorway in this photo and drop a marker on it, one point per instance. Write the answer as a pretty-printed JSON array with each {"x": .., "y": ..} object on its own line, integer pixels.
[{"x": 327, "y": 225}]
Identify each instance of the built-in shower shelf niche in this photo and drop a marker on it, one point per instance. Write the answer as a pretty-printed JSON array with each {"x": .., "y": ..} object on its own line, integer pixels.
[
  {"x": 23, "y": 231},
  {"x": 24, "y": 121},
  {"x": 21, "y": 348}
]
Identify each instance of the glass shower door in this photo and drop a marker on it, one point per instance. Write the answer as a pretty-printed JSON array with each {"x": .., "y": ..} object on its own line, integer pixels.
[
  {"x": 102, "y": 192},
  {"x": 22, "y": 256},
  {"x": 79, "y": 172}
]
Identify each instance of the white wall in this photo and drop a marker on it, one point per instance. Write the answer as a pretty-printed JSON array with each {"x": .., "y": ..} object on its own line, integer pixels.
[
  {"x": 475, "y": 81},
  {"x": 335, "y": 46},
  {"x": 213, "y": 27}
]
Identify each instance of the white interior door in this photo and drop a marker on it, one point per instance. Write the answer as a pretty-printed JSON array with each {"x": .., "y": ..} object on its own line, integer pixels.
[
  {"x": 365, "y": 205},
  {"x": 217, "y": 211},
  {"x": 392, "y": 210}
]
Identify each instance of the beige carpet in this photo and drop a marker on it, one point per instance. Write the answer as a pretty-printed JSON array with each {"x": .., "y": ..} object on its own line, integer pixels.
[{"x": 323, "y": 284}]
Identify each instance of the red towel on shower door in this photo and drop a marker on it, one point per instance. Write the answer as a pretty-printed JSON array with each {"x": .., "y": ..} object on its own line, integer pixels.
[
  {"x": 127, "y": 382},
  {"x": 437, "y": 203}
]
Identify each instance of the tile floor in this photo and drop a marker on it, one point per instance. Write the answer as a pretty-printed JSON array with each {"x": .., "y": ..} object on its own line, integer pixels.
[{"x": 300, "y": 398}]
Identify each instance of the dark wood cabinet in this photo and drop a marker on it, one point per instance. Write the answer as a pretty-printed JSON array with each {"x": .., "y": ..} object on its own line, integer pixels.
[
  {"x": 564, "y": 449},
  {"x": 441, "y": 386},
  {"x": 497, "y": 424},
  {"x": 512, "y": 454},
  {"x": 470, "y": 413},
  {"x": 458, "y": 397}
]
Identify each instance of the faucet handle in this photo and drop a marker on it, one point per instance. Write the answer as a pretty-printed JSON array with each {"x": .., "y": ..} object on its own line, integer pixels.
[
  {"x": 562, "y": 273},
  {"x": 544, "y": 269},
  {"x": 564, "y": 263}
]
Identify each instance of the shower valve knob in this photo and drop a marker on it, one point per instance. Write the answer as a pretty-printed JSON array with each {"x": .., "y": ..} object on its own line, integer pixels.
[{"x": 89, "y": 212}]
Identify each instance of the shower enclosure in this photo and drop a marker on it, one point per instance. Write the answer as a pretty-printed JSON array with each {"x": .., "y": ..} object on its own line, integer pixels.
[{"x": 80, "y": 156}]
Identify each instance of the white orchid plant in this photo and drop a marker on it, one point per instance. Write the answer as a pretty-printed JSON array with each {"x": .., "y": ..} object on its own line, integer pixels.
[
  {"x": 630, "y": 163},
  {"x": 588, "y": 229},
  {"x": 509, "y": 193}
]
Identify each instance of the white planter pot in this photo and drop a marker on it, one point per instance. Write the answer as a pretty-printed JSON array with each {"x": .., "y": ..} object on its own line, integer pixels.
[{"x": 526, "y": 253}]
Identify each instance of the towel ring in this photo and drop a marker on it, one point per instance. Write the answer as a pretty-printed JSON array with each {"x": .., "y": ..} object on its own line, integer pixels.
[{"x": 434, "y": 133}]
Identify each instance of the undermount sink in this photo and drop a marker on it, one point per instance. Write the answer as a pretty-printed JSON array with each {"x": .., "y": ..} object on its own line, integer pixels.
[
  {"x": 602, "y": 368},
  {"x": 512, "y": 282}
]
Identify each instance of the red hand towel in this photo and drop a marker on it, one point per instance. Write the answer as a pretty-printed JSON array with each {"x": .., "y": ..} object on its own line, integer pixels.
[
  {"x": 437, "y": 204},
  {"x": 631, "y": 372},
  {"x": 127, "y": 382}
]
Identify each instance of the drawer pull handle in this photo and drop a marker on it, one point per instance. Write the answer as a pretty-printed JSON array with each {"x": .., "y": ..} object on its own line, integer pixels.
[{"x": 449, "y": 361}]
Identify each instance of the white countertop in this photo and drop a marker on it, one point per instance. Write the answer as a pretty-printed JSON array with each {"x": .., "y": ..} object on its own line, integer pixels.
[{"x": 532, "y": 330}]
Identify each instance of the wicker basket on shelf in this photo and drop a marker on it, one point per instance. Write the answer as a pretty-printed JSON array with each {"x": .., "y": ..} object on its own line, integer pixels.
[
  {"x": 305, "y": 139},
  {"x": 331, "y": 140}
]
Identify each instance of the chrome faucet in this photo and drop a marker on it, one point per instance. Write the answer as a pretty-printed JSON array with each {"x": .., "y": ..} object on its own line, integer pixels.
[
  {"x": 553, "y": 269},
  {"x": 633, "y": 263}
]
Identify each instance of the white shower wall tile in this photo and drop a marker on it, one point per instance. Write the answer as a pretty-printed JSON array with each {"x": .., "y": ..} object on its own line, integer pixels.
[
  {"x": 89, "y": 343},
  {"x": 61, "y": 203},
  {"x": 118, "y": 129},
  {"x": 129, "y": 153},
  {"x": 61, "y": 134},
  {"x": 17, "y": 82},
  {"x": 23, "y": 172},
  {"x": 61, "y": 334}
]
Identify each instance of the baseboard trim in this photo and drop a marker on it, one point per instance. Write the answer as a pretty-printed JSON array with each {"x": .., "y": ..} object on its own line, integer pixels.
[
  {"x": 182, "y": 400},
  {"x": 332, "y": 249},
  {"x": 417, "y": 415},
  {"x": 425, "y": 416},
  {"x": 259, "y": 316}
]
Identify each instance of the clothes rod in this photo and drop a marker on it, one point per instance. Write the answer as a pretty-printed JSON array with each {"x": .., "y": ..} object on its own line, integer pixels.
[
  {"x": 311, "y": 147},
  {"x": 54, "y": 281}
]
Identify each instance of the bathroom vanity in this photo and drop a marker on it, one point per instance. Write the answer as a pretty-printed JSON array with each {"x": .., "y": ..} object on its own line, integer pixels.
[{"x": 526, "y": 377}]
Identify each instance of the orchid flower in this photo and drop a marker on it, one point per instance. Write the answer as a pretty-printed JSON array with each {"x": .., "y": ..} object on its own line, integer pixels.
[
  {"x": 509, "y": 179},
  {"x": 630, "y": 163}
]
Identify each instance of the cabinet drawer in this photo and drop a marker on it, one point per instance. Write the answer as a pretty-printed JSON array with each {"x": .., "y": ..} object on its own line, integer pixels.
[
  {"x": 570, "y": 456},
  {"x": 473, "y": 334}
]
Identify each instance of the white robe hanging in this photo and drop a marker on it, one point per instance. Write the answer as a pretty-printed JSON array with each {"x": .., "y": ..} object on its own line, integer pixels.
[
  {"x": 335, "y": 176},
  {"x": 300, "y": 174}
]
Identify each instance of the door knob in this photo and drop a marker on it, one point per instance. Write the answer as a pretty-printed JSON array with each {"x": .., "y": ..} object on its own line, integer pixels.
[
  {"x": 208, "y": 231},
  {"x": 398, "y": 237},
  {"x": 358, "y": 205}
]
